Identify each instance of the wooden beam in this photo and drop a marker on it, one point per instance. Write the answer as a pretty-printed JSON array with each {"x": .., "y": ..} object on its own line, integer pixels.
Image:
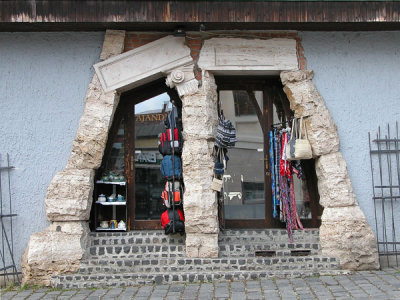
[{"x": 215, "y": 15}]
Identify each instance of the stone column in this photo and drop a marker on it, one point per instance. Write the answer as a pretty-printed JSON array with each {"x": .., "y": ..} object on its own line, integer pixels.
[
  {"x": 199, "y": 116},
  {"x": 344, "y": 232},
  {"x": 60, "y": 247}
]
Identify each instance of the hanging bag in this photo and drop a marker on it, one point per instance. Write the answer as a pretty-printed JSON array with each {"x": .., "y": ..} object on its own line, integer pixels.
[
  {"x": 302, "y": 148},
  {"x": 226, "y": 133},
  {"x": 219, "y": 169},
  {"x": 290, "y": 145},
  {"x": 219, "y": 166}
]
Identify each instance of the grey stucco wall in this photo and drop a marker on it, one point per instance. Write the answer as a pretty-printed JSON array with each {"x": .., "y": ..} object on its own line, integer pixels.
[
  {"x": 358, "y": 76},
  {"x": 44, "y": 78}
]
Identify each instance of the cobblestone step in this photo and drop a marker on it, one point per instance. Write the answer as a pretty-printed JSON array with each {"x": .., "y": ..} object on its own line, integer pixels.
[
  {"x": 142, "y": 237},
  {"x": 137, "y": 250},
  {"x": 248, "y": 250},
  {"x": 165, "y": 266},
  {"x": 127, "y": 279},
  {"x": 267, "y": 236},
  {"x": 269, "y": 249}
]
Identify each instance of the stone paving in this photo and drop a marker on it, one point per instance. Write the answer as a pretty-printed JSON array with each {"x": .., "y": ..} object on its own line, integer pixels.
[{"x": 375, "y": 285}]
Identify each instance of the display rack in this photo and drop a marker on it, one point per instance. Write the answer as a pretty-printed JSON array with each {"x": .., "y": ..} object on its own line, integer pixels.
[{"x": 114, "y": 204}]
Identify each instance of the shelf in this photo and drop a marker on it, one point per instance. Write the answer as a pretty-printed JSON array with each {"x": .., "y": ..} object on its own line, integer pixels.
[
  {"x": 112, "y": 203},
  {"x": 111, "y": 182},
  {"x": 110, "y": 229}
]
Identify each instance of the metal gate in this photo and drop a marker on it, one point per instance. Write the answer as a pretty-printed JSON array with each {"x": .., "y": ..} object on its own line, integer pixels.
[
  {"x": 385, "y": 170},
  {"x": 8, "y": 271}
]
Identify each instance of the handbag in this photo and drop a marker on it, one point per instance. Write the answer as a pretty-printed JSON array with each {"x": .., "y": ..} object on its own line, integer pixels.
[
  {"x": 216, "y": 184},
  {"x": 290, "y": 145},
  {"x": 302, "y": 147}
]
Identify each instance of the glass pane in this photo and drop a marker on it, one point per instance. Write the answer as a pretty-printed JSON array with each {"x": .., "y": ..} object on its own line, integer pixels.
[
  {"x": 243, "y": 189},
  {"x": 115, "y": 165},
  {"x": 149, "y": 122}
]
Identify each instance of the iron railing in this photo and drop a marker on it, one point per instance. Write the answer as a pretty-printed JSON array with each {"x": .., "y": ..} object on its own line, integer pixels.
[
  {"x": 385, "y": 170},
  {"x": 9, "y": 270}
]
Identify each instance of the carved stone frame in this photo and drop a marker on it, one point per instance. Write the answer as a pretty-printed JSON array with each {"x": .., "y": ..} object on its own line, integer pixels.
[{"x": 344, "y": 232}]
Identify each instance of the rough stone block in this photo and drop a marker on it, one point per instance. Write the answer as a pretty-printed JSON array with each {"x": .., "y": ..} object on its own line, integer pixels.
[
  {"x": 91, "y": 138},
  {"x": 200, "y": 212},
  {"x": 69, "y": 196},
  {"x": 295, "y": 76},
  {"x": 202, "y": 245},
  {"x": 346, "y": 235},
  {"x": 56, "y": 250},
  {"x": 306, "y": 101},
  {"x": 114, "y": 41},
  {"x": 334, "y": 184}
]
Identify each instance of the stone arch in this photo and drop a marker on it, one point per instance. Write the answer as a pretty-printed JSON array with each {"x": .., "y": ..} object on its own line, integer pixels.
[{"x": 344, "y": 232}]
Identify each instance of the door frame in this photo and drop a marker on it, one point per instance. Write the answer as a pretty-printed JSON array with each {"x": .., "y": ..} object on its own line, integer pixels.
[
  {"x": 272, "y": 89},
  {"x": 128, "y": 101}
]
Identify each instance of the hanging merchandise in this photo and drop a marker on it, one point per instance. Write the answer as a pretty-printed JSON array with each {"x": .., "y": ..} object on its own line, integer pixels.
[
  {"x": 281, "y": 149},
  {"x": 170, "y": 146},
  {"x": 172, "y": 221},
  {"x": 302, "y": 146},
  {"x": 173, "y": 190},
  {"x": 220, "y": 161},
  {"x": 290, "y": 146},
  {"x": 226, "y": 133},
  {"x": 168, "y": 139},
  {"x": 167, "y": 171}
]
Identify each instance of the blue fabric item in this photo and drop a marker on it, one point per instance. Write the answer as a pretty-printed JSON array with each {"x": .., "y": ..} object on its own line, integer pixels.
[
  {"x": 272, "y": 170},
  {"x": 166, "y": 167}
]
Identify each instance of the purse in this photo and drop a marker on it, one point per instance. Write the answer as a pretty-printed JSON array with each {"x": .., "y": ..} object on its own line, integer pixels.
[
  {"x": 216, "y": 184},
  {"x": 290, "y": 145},
  {"x": 302, "y": 147}
]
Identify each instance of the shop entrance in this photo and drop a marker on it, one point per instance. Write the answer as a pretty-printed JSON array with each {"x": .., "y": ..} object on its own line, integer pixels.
[
  {"x": 254, "y": 105},
  {"x": 132, "y": 152}
]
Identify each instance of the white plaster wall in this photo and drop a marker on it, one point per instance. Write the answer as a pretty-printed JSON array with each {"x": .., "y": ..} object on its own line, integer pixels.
[
  {"x": 358, "y": 74},
  {"x": 44, "y": 78}
]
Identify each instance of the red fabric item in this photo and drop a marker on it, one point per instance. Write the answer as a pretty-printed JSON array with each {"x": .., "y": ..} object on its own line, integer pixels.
[
  {"x": 165, "y": 218},
  {"x": 284, "y": 166}
]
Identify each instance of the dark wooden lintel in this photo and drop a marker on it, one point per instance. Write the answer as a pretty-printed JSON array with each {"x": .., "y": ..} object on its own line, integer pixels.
[{"x": 165, "y": 16}]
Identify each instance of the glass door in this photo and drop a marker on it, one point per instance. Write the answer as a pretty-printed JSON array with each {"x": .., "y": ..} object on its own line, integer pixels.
[
  {"x": 255, "y": 105},
  {"x": 145, "y": 121}
]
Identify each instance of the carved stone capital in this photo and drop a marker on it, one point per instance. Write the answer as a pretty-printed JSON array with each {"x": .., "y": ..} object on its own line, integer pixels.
[{"x": 183, "y": 80}]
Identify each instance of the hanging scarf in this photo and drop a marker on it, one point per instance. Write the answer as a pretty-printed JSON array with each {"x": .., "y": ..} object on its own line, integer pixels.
[{"x": 272, "y": 170}]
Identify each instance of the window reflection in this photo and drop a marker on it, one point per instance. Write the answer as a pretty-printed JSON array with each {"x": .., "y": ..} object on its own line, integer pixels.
[
  {"x": 149, "y": 123},
  {"x": 244, "y": 177}
]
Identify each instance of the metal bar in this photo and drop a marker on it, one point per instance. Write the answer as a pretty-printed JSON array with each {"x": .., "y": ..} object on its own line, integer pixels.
[
  {"x": 390, "y": 243},
  {"x": 386, "y": 197},
  {"x": 1, "y": 212},
  {"x": 386, "y": 140},
  {"x": 385, "y": 151},
  {"x": 387, "y": 186},
  {"x": 6, "y": 268},
  {"x": 384, "y": 233},
  {"x": 6, "y": 168},
  {"x": 11, "y": 273},
  {"x": 389, "y": 162},
  {"x": 397, "y": 144},
  {"x": 9, "y": 215},
  {"x": 10, "y": 210}
]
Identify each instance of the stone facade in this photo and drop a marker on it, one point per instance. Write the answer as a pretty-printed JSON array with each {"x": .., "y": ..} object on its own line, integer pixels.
[
  {"x": 61, "y": 246},
  {"x": 344, "y": 231}
]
